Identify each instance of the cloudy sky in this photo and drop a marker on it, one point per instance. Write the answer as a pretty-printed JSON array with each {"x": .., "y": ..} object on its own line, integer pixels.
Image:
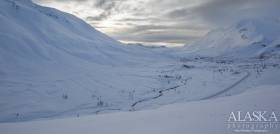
[{"x": 171, "y": 22}]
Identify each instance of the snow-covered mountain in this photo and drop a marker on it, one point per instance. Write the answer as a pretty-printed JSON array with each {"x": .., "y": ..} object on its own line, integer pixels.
[
  {"x": 247, "y": 38},
  {"x": 52, "y": 62},
  {"x": 32, "y": 32}
]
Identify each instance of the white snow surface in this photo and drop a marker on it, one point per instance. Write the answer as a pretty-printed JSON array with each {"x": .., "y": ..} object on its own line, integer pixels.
[{"x": 198, "y": 117}]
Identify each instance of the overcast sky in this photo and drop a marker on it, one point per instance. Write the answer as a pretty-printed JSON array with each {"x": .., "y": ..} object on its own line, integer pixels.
[{"x": 169, "y": 22}]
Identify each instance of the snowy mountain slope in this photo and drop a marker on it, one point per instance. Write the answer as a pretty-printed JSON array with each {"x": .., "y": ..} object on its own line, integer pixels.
[
  {"x": 211, "y": 115},
  {"x": 33, "y": 32},
  {"x": 53, "y": 63},
  {"x": 247, "y": 38}
]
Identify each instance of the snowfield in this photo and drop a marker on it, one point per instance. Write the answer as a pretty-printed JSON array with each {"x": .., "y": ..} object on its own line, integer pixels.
[
  {"x": 60, "y": 75},
  {"x": 198, "y": 117}
]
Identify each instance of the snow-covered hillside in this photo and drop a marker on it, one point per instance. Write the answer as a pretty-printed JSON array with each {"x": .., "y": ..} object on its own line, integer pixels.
[
  {"x": 52, "y": 63},
  {"x": 248, "y": 38}
]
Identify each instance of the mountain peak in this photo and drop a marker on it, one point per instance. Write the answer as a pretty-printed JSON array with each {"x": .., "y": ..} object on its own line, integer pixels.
[
  {"x": 267, "y": 27},
  {"x": 248, "y": 37}
]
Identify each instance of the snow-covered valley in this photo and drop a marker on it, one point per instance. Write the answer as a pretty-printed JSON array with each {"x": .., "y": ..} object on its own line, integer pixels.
[{"x": 56, "y": 72}]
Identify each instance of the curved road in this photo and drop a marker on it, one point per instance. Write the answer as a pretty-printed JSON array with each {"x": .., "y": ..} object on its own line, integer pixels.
[
  {"x": 161, "y": 92},
  {"x": 228, "y": 88},
  {"x": 155, "y": 97}
]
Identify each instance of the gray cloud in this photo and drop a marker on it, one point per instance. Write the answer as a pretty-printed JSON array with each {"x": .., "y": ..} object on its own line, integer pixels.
[
  {"x": 102, "y": 16},
  {"x": 176, "y": 21},
  {"x": 217, "y": 12},
  {"x": 107, "y": 7}
]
